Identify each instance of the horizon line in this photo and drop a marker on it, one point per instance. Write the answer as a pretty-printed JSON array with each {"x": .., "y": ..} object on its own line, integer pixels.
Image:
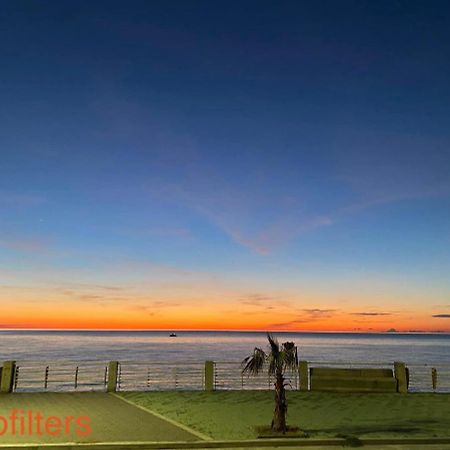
[{"x": 230, "y": 330}]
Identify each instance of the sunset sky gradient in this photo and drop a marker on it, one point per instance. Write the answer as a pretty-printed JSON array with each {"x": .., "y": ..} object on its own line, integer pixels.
[{"x": 225, "y": 165}]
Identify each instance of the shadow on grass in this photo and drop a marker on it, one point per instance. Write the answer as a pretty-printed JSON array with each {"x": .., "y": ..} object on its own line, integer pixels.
[
  {"x": 350, "y": 440},
  {"x": 409, "y": 427}
]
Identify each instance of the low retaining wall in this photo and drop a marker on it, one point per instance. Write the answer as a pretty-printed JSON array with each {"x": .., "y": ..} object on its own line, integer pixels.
[{"x": 353, "y": 380}]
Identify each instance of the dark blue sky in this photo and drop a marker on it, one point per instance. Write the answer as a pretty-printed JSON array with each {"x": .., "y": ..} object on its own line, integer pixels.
[{"x": 267, "y": 146}]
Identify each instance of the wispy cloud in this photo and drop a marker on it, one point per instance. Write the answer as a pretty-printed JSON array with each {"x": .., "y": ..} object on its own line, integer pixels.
[
  {"x": 371, "y": 314},
  {"x": 308, "y": 315},
  {"x": 441, "y": 316},
  {"x": 274, "y": 235},
  {"x": 91, "y": 296},
  {"x": 163, "y": 304},
  {"x": 256, "y": 299},
  {"x": 128, "y": 299},
  {"x": 242, "y": 216},
  {"x": 316, "y": 313},
  {"x": 128, "y": 265},
  {"x": 264, "y": 302},
  {"x": 91, "y": 286},
  {"x": 147, "y": 310},
  {"x": 151, "y": 308},
  {"x": 289, "y": 323}
]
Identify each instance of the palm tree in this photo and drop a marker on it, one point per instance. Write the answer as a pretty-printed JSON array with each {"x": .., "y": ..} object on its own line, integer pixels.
[{"x": 281, "y": 358}]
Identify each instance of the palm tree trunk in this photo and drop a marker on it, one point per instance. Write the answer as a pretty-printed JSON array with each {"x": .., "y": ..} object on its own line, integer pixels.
[{"x": 279, "y": 415}]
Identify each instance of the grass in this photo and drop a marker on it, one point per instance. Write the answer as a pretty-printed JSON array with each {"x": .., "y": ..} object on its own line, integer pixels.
[
  {"x": 111, "y": 419},
  {"x": 238, "y": 414}
]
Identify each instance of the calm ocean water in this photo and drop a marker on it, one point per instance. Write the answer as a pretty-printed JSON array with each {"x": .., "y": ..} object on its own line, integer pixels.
[{"x": 157, "y": 346}]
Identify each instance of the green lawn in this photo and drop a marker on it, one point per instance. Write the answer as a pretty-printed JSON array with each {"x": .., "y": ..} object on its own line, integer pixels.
[
  {"x": 111, "y": 419},
  {"x": 234, "y": 414}
]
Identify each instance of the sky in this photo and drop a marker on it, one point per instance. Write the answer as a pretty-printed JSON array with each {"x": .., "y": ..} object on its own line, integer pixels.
[{"x": 252, "y": 165}]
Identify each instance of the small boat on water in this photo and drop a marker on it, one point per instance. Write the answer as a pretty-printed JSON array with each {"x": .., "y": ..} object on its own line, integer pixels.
[{"x": 172, "y": 335}]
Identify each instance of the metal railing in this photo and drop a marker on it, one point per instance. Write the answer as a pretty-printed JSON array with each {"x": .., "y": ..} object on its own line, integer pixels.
[
  {"x": 143, "y": 376},
  {"x": 421, "y": 378},
  {"x": 56, "y": 376},
  {"x": 228, "y": 375},
  {"x": 63, "y": 375}
]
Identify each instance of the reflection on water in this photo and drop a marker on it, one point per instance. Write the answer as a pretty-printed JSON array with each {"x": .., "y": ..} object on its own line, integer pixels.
[{"x": 220, "y": 346}]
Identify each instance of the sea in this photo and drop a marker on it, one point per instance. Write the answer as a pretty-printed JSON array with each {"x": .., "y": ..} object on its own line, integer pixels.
[{"x": 224, "y": 346}]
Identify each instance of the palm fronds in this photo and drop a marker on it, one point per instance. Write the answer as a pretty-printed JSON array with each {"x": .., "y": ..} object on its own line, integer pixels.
[
  {"x": 253, "y": 364},
  {"x": 280, "y": 358},
  {"x": 290, "y": 357},
  {"x": 273, "y": 342}
]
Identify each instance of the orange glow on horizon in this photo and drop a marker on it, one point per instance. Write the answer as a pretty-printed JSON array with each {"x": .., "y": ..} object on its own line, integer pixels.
[
  {"x": 211, "y": 321},
  {"x": 208, "y": 310}
]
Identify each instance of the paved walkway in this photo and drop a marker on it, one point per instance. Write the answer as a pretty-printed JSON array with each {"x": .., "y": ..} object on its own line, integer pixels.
[{"x": 110, "y": 419}]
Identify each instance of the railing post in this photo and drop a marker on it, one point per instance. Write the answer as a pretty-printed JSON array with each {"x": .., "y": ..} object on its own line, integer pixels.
[
  {"x": 113, "y": 371},
  {"x": 209, "y": 375},
  {"x": 400, "y": 375},
  {"x": 434, "y": 378},
  {"x": 8, "y": 373},
  {"x": 16, "y": 378},
  {"x": 303, "y": 375},
  {"x": 46, "y": 377}
]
